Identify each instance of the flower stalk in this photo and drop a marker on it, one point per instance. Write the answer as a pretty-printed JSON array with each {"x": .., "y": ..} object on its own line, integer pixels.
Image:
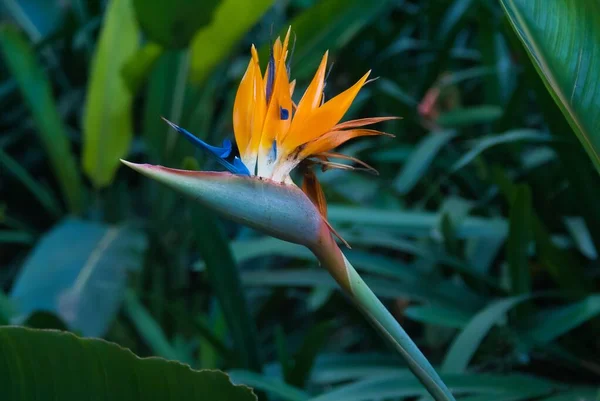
[{"x": 332, "y": 258}]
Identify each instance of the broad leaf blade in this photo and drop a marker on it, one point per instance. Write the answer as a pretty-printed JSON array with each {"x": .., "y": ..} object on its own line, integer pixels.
[
  {"x": 561, "y": 38},
  {"x": 103, "y": 370},
  {"x": 83, "y": 285},
  {"x": 107, "y": 125}
]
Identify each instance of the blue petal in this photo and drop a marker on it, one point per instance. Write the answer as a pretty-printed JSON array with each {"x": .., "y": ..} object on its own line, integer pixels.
[
  {"x": 270, "y": 78},
  {"x": 284, "y": 114},
  {"x": 219, "y": 153},
  {"x": 240, "y": 167}
]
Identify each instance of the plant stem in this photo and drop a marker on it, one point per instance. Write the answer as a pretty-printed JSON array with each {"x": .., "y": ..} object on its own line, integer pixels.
[{"x": 332, "y": 258}]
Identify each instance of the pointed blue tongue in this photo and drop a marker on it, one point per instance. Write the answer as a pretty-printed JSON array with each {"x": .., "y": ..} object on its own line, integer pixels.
[{"x": 219, "y": 153}]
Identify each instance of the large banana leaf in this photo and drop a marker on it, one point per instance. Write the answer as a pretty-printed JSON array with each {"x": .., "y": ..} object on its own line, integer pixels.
[
  {"x": 561, "y": 38},
  {"x": 54, "y": 365}
]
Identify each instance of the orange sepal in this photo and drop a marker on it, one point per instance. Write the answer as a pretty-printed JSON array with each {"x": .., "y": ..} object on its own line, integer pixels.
[
  {"x": 324, "y": 118},
  {"x": 314, "y": 192},
  {"x": 331, "y": 155},
  {"x": 333, "y": 139},
  {"x": 363, "y": 122}
]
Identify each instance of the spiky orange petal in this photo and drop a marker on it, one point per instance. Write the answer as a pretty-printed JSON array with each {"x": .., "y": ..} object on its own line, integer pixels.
[
  {"x": 324, "y": 118},
  {"x": 362, "y": 122},
  {"x": 333, "y": 139},
  {"x": 312, "y": 97}
]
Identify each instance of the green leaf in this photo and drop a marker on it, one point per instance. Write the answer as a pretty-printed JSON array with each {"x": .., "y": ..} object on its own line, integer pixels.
[
  {"x": 414, "y": 223},
  {"x": 420, "y": 159},
  {"x": 42, "y": 194},
  {"x": 270, "y": 384},
  {"x": 232, "y": 20},
  {"x": 103, "y": 370},
  {"x": 485, "y": 143},
  {"x": 85, "y": 285},
  {"x": 107, "y": 125},
  {"x": 173, "y": 23},
  {"x": 137, "y": 68},
  {"x": 39, "y": 18},
  {"x": 304, "y": 358},
  {"x": 224, "y": 277},
  {"x": 345, "y": 367},
  {"x": 6, "y": 309},
  {"x": 561, "y": 39},
  {"x": 45, "y": 320},
  {"x": 438, "y": 315},
  {"x": 467, "y": 342},
  {"x": 463, "y": 117},
  {"x": 338, "y": 21},
  {"x": 149, "y": 329},
  {"x": 519, "y": 239},
  {"x": 393, "y": 386},
  {"x": 15, "y": 237},
  {"x": 37, "y": 93},
  {"x": 550, "y": 324},
  {"x": 561, "y": 264}
]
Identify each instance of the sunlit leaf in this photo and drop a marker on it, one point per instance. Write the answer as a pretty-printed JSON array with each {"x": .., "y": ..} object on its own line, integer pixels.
[
  {"x": 107, "y": 124},
  {"x": 232, "y": 19}
]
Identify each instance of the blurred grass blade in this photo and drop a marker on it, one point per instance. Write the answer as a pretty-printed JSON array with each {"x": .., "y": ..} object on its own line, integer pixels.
[
  {"x": 338, "y": 21},
  {"x": 421, "y": 224},
  {"x": 223, "y": 274},
  {"x": 562, "y": 265},
  {"x": 137, "y": 68},
  {"x": 231, "y": 21},
  {"x": 463, "y": 117},
  {"x": 561, "y": 38},
  {"x": 581, "y": 236},
  {"x": 419, "y": 160},
  {"x": 448, "y": 27},
  {"x": 37, "y": 92},
  {"x": 39, "y": 18},
  {"x": 548, "y": 325},
  {"x": 16, "y": 237},
  {"x": 304, "y": 358},
  {"x": 6, "y": 309},
  {"x": 273, "y": 386},
  {"x": 149, "y": 330},
  {"x": 42, "y": 194},
  {"x": 468, "y": 340},
  {"x": 483, "y": 144},
  {"x": 104, "y": 370},
  {"x": 437, "y": 315},
  {"x": 395, "y": 386},
  {"x": 107, "y": 125},
  {"x": 519, "y": 239}
]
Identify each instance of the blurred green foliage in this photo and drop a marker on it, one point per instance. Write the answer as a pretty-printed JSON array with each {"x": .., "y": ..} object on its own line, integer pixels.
[{"x": 481, "y": 232}]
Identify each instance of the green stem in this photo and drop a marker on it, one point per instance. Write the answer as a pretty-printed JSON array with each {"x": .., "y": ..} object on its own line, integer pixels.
[{"x": 332, "y": 258}]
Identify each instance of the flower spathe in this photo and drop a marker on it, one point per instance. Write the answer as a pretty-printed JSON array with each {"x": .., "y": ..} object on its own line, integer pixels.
[{"x": 274, "y": 135}]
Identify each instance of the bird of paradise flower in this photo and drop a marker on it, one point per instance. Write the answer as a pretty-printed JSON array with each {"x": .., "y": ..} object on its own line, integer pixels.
[{"x": 274, "y": 136}]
